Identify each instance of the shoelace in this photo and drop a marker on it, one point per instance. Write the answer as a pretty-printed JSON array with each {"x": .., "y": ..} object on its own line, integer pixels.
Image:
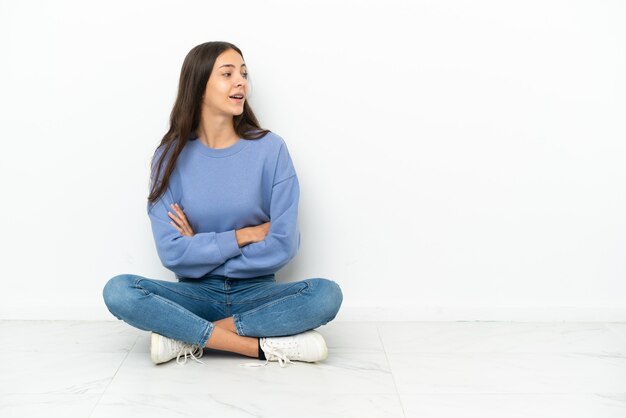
[
  {"x": 274, "y": 353},
  {"x": 189, "y": 350}
]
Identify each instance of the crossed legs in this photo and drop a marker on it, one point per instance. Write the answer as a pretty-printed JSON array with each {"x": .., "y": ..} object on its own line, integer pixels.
[{"x": 141, "y": 302}]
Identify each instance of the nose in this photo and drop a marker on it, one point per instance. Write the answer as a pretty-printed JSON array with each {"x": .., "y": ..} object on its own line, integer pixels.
[{"x": 242, "y": 81}]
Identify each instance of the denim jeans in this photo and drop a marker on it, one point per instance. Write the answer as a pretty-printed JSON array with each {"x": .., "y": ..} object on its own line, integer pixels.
[{"x": 260, "y": 306}]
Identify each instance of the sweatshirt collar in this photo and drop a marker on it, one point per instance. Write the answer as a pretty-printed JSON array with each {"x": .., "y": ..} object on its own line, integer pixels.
[{"x": 199, "y": 146}]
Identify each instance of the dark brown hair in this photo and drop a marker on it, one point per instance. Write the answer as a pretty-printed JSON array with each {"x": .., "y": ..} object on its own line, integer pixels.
[{"x": 185, "y": 116}]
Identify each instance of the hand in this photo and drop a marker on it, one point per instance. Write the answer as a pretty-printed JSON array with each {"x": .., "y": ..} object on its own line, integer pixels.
[
  {"x": 182, "y": 225},
  {"x": 259, "y": 232},
  {"x": 252, "y": 234}
]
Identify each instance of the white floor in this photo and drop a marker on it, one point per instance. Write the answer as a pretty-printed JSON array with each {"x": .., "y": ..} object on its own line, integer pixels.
[{"x": 383, "y": 369}]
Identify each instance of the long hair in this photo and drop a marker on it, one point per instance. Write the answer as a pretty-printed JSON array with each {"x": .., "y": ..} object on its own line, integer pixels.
[{"x": 185, "y": 116}]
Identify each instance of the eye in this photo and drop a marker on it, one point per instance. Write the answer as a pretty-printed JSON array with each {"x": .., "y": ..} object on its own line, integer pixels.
[{"x": 245, "y": 75}]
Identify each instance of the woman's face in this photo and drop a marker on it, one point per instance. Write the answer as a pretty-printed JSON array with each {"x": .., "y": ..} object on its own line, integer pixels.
[{"x": 229, "y": 77}]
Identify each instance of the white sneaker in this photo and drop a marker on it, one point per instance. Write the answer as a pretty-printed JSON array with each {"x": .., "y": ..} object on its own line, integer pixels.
[
  {"x": 164, "y": 349},
  {"x": 308, "y": 346}
]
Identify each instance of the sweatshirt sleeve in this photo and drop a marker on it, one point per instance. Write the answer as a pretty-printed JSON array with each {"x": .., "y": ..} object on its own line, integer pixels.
[
  {"x": 282, "y": 241},
  {"x": 194, "y": 256}
]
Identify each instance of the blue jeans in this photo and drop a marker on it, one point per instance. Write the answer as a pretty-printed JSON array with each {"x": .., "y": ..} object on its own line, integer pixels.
[{"x": 260, "y": 306}]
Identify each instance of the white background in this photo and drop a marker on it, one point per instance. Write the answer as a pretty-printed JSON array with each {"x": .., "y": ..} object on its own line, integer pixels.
[{"x": 457, "y": 160}]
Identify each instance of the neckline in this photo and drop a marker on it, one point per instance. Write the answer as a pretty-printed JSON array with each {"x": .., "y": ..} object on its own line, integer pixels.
[{"x": 199, "y": 146}]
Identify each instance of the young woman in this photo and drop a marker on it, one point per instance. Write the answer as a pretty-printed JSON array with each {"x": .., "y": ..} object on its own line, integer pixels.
[{"x": 223, "y": 207}]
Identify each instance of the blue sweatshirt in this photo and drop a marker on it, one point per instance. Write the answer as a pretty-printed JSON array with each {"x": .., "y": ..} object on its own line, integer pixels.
[{"x": 221, "y": 190}]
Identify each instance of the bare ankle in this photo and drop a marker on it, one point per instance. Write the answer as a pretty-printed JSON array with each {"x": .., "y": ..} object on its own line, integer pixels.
[
  {"x": 226, "y": 323},
  {"x": 222, "y": 339}
]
